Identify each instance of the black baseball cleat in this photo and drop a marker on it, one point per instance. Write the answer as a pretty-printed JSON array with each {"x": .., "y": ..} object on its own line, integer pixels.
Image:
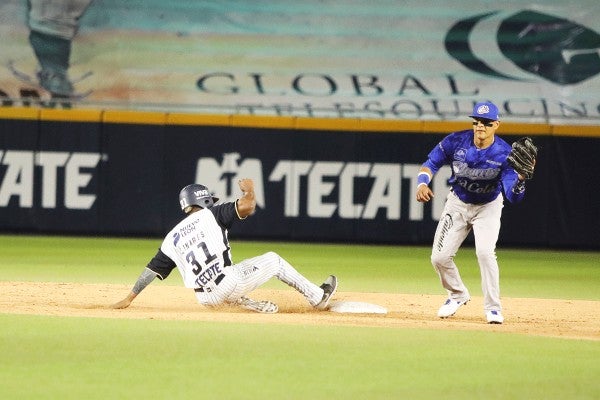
[{"x": 329, "y": 287}]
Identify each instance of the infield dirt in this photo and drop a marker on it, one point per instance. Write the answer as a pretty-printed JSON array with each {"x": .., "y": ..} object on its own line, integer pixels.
[{"x": 572, "y": 319}]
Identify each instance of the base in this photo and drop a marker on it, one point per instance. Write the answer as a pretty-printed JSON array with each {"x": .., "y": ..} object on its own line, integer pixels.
[{"x": 356, "y": 307}]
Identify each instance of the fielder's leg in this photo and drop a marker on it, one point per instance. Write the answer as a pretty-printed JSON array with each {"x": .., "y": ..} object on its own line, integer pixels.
[
  {"x": 486, "y": 228},
  {"x": 451, "y": 231}
]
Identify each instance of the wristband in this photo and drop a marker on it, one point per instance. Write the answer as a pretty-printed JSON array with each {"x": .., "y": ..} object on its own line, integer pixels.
[{"x": 423, "y": 179}]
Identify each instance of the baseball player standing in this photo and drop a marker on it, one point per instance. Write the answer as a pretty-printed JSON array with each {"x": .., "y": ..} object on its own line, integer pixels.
[
  {"x": 480, "y": 173},
  {"x": 198, "y": 247},
  {"x": 53, "y": 25}
]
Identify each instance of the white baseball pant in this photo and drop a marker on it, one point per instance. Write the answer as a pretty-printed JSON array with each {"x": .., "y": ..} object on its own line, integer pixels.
[
  {"x": 247, "y": 275},
  {"x": 458, "y": 218}
]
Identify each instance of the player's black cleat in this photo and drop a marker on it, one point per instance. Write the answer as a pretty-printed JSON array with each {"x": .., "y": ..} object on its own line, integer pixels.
[{"x": 329, "y": 287}]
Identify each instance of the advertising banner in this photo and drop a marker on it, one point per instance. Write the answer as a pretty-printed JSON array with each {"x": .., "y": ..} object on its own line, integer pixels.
[
  {"x": 124, "y": 179},
  {"x": 414, "y": 60}
]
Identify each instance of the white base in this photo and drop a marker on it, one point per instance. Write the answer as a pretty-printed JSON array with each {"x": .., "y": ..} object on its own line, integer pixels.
[{"x": 356, "y": 307}]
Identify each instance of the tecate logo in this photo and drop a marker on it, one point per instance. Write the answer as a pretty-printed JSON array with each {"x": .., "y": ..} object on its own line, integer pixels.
[
  {"x": 330, "y": 186},
  {"x": 56, "y": 170}
]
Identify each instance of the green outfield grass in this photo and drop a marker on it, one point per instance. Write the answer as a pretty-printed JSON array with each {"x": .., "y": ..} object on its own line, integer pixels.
[
  {"x": 45, "y": 357},
  {"x": 363, "y": 268}
]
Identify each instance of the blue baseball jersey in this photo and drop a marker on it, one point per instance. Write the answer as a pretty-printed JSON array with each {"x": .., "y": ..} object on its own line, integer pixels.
[{"x": 478, "y": 175}]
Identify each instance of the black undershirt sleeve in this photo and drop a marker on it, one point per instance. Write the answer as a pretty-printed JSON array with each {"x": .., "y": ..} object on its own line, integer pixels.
[
  {"x": 161, "y": 264},
  {"x": 225, "y": 214}
]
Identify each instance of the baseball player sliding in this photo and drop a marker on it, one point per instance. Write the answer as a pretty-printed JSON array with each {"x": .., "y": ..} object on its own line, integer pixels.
[
  {"x": 483, "y": 167},
  {"x": 198, "y": 247}
]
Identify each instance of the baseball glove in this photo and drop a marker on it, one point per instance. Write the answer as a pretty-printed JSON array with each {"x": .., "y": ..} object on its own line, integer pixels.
[{"x": 522, "y": 157}]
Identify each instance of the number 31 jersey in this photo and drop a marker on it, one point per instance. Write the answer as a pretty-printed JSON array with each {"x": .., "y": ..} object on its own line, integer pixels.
[{"x": 198, "y": 246}]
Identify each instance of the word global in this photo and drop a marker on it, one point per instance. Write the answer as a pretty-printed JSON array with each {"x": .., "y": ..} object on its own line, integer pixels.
[{"x": 371, "y": 96}]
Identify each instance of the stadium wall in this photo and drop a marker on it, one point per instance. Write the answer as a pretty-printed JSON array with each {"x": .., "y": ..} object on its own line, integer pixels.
[{"x": 119, "y": 173}]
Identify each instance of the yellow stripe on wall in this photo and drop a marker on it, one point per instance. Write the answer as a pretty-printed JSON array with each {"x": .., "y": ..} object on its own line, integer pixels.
[
  {"x": 51, "y": 114},
  {"x": 287, "y": 122},
  {"x": 576, "y": 130},
  {"x": 134, "y": 117},
  {"x": 262, "y": 121},
  {"x": 511, "y": 128},
  {"x": 381, "y": 125},
  {"x": 201, "y": 120},
  {"x": 26, "y": 113}
]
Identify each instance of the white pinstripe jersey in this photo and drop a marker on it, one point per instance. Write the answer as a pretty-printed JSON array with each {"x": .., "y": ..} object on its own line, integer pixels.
[{"x": 198, "y": 246}]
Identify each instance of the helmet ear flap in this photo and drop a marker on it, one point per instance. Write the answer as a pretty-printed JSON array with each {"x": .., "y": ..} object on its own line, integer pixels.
[{"x": 207, "y": 202}]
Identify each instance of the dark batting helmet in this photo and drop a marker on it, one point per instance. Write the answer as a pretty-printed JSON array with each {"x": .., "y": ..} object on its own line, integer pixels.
[{"x": 196, "y": 195}]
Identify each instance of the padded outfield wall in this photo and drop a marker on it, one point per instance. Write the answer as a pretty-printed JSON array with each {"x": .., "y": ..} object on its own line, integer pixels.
[
  {"x": 330, "y": 105},
  {"x": 119, "y": 173}
]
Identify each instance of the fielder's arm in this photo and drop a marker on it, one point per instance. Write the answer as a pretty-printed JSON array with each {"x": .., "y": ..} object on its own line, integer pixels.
[
  {"x": 424, "y": 192},
  {"x": 146, "y": 277}
]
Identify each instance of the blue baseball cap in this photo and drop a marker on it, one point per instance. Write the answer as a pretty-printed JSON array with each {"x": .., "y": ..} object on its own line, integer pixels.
[{"x": 485, "y": 110}]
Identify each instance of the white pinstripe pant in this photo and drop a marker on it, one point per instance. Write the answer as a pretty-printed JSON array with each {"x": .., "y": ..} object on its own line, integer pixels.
[{"x": 247, "y": 275}]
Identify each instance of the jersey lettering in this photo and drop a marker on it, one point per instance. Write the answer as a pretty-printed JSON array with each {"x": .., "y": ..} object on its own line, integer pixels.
[
  {"x": 208, "y": 275},
  {"x": 198, "y": 247},
  {"x": 209, "y": 257},
  {"x": 475, "y": 187},
  {"x": 462, "y": 169},
  {"x": 191, "y": 258}
]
